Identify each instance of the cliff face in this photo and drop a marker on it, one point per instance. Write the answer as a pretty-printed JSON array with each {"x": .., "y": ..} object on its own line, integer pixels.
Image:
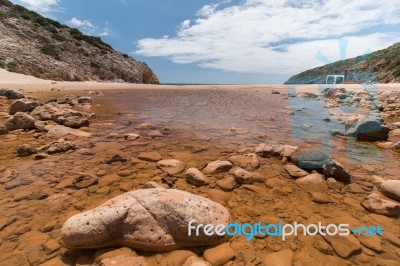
[
  {"x": 382, "y": 66},
  {"x": 33, "y": 45}
]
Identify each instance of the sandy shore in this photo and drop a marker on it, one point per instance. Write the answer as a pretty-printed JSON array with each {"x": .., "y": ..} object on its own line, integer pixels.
[{"x": 32, "y": 84}]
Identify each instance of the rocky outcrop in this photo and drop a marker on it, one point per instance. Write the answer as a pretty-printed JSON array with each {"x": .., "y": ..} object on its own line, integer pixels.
[
  {"x": 149, "y": 220},
  {"x": 40, "y": 47}
]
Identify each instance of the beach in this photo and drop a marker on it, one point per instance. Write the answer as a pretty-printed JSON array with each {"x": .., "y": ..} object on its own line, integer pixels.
[{"x": 254, "y": 128}]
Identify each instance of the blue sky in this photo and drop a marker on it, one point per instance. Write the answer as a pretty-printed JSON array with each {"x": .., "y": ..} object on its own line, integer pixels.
[{"x": 231, "y": 41}]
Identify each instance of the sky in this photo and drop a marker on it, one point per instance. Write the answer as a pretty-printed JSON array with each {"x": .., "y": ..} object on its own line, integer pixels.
[{"x": 232, "y": 41}]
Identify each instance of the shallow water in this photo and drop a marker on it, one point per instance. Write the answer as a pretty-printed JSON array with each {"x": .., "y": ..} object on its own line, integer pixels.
[{"x": 204, "y": 125}]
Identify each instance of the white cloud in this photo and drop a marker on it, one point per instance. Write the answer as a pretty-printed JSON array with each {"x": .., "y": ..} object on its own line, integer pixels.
[
  {"x": 262, "y": 36},
  {"x": 87, "y": 27},
  {"x": 41, "y": 6}
]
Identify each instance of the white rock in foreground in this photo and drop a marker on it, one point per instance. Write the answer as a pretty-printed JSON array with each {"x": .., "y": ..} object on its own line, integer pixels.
[{"x": 149, "y": 220}]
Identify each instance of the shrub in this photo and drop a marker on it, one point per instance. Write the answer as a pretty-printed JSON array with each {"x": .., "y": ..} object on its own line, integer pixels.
[
  {"x": 5, "y": 3},
  {"x": 94, "y": 65},
  {"x": 396, "y": 72},
  {"x": 125, "y": 56},
  {"x": 51, "y": 51},
  {"x": 58, "y": 37},
  {"x": 12, "y": 66},
  {"x": 2, "y": 64}
]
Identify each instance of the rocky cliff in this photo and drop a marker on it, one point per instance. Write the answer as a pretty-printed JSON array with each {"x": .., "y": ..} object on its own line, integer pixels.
[
  {"x": 382, "y": 66},
  {"x": 34, "y": 45}
]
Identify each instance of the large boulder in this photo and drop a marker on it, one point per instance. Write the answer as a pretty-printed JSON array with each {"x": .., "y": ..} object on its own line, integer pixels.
[
  {"x": 20, "y": 121},
  {"x": 153, "y": 219},
  {"x": 11, "y": 94},
  {"x": 371, "y": 129},
  {"x": 22, "y": 105}
]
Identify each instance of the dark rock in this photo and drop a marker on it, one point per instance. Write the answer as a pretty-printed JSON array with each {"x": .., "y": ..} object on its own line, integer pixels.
[
  {"x": 3, "y": 130},
  {"x": 371, "y": 129},
  {"x": 84, "y": 99},
  {"x": 22, "y": 105},
  {"x": 26, "y": 150},
  {"x": 11, "y": 94},
  {"x": 20, "y": 121},
  {"x": 334, "y": 169},
  {"x": 310, "y": 159},
  {"x": 116, "y": 158}
]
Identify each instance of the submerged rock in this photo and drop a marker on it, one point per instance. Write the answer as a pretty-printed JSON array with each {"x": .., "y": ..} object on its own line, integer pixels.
[
  {"x": 149, "y": 220},
  {"x": 371, "y": 129},
  {"x": 310, "y": 159}
]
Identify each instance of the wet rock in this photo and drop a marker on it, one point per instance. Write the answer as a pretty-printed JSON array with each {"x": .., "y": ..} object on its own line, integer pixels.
[
  {"x": 171, "y": 166},
  {"x": 124, "y": 260},
  {"x": 60, "y": 147},
  {"x": 22, "y": 105},
  {"x": 371, "y": 129},
  {"x": 84, "y": 181},
  {"x": 310, "y": 159},
  {"x": 391, "y": 188},
  {"x": 249, "y": 160},
  {"x": 26, "y": 150},
  {"x": 20, "y": 121},
  {"x": 148, "y": 220},
  {"x": 11, "y": 94},
  {"x": 313, "y": 182},
  {"x": 375, "y": 204},
  {"x": 344, "y": 246},
  {"x": 116, "y": 158},
  {"x": 3, "y": 130},
  {"x": 242, "y": 176},
  {"x": 216, "y": 167},
  {"x": 60, "y": 131},
  {"x": 227, "y": 183},
  {"x": 195, "y": 177},
  {"x": 150, "y": 156},
  {"x": 219, "y": 255},
  {"x": 84, "y": 99},
  {"x": 295, "y": 171},
  {"x": 131, "y": 136},
  {"x": 41, "y": 156},
  {"x": 70, "y": 118},
  {"x": 281, "y": 258},
  {"x": 332, "y": 168}
]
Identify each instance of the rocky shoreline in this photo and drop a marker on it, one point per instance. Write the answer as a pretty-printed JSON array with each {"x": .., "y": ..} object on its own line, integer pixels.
[{"x": 140, "y": 184}]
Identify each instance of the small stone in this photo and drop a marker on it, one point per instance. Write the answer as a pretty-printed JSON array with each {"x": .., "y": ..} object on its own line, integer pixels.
[
  {"x": 344, "y": 246},
  {"x": 3, "y": 130},
  {"x": 249, "y": 160},
  {"x": 295, "y": 171},
  {"x": 84, "y": 181},
  {"x": 333, "y": 184},
  {"x": 216, "y": 167},
  {"x": 26, "y": 150},
  {"x": 320, "y": 197},
  {"x": 108, "y": 253},
  {"x": 391, "y": 188},
  {"x": 375, "y": 204},
  {"x": 219, "y": 255},
  {"x": 195, "y": 177},
  {"x": 374, "y": 243},
  {"x": 49, "y": 226},
  {"x": 227, "y": 184},
  {"x": 20, "y": 121},
  {"x": 131, "y": 136},
  {"x": 195, "y": 261},
  {"x": 313, "y": 182},
  {"x": 60, "y": 147},
  {"x": 146, "y": 126},
  {"x": 152, "y": 184},
  {"x": 323, "y": 247},
  {"x": 51, "y": 246},
  {"x": 171, "y": 166},
  {"x": 150, "y": 156},
  {"x": 243, "y": 177},
  {"x": 332, "y": 168},
  {"x": 392, "y": 238},
  {"x": 178, "y": 257},
  {"x": 281, "y": 258},
  {"x": 115, "y": 158},
  {"x": 124, "y": 260}
]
